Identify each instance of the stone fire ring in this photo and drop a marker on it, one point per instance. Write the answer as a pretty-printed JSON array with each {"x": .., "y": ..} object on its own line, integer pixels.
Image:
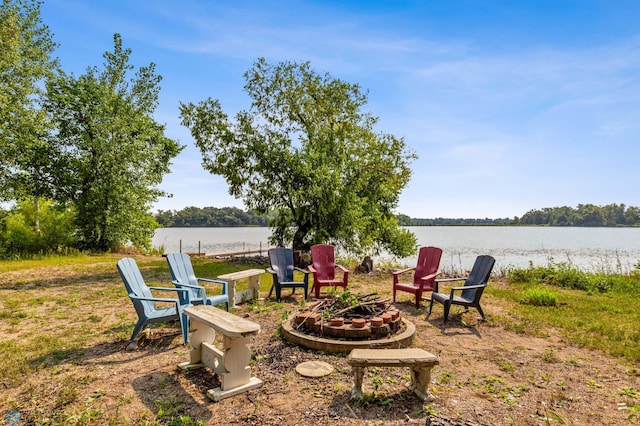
[{"x": 400, "y": 340}]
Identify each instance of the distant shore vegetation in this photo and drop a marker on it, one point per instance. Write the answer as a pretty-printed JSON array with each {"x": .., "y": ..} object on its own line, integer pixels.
[{"x": 582, "y": 215}]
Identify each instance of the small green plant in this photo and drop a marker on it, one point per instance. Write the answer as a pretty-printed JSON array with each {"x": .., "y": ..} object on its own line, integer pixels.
[
  {"x": 169, "y": 412},
  {"x": 593, "y": 384},
  {"x": 507, "y": 366},
  {"x": 628, "y": 392},
  {"x": 97, "y": 394},
  {"x": 377, "y": 383},
  {"x": 285, "y": 315},
  {"x": 540, "y": 296},
  {"x": 549, "y": 356},
  {"x": 445, "y": 377},
  {"x": 428, "y": 411},
  {"x": 635, "y": 414}
]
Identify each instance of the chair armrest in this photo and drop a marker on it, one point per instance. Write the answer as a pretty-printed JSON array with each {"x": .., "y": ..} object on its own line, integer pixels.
[
  {"x": 168, "y": 289},
  {"x": 221, "y": 282},
  {"x": 466, "y": 287},
  {"x": 155, "y": 299},
  {"x": 444, "y": 280},
  {"x": 304, "y": 271},
  {"x": 430, "y": 276},
  {"x": 402, "y": 271},
  {"x": 312, "y": 269},
  {"x": 201, "y": 289},
  {"x": 178, "y": 283},
  {"x": 342, "y": 268},
  {"x": 207, "y": 280}
]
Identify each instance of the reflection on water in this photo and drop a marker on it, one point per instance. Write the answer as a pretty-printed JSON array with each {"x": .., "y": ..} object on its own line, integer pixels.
[{"x": 590, "y": 249}]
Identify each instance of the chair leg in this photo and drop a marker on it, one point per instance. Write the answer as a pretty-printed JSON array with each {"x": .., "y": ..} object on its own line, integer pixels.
[
  {"x": 481, "y": 313},
  {"x": 184, "y": 325},
  {"x": 447, "y": 307},
  {"x": 139, "y": 326},
  {"x": 271, "y": 290},
  {"x": 278, "y": 293},
  {"x": 430, "y": 307}
]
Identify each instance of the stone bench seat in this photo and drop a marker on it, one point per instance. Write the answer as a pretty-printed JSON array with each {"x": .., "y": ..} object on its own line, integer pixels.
[{"x": 419, "y": 361}]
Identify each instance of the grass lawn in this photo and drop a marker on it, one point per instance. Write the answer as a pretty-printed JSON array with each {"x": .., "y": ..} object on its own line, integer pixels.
[{"x": 545, "y": 350}]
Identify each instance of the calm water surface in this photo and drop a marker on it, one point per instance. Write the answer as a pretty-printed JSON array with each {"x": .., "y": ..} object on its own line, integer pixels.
[{"x": 590, "y": 249}]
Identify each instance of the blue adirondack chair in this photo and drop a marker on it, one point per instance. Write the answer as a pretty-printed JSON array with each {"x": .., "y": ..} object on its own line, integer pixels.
[
  {"x": 183, "y": 276},
  {"x": 282, "y": 269},
  {"x": 471, "y": 291},
  {"x": 145, "y": 303}
]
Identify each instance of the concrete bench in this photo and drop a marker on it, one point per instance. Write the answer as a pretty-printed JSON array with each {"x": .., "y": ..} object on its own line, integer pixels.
[
  {"x": 419, "y": 361},
  {"x": 251, "y": 293},
  {"x": 231, "y": 363}
]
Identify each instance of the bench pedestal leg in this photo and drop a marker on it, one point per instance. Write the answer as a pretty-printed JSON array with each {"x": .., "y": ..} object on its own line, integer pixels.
[
  {"x": 231, "y": 288},
  {"x": 231, "y": 363},
  {"x": 234, "y": 371},
  {"x": 254, "y": 285},
  {"x": 420, "y": 378},
  {"x": 358, "y": 374},
  {"x": 200, "y": 333}
]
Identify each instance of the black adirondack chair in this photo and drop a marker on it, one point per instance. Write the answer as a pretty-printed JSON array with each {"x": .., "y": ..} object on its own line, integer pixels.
[
  {"x": 471, "y": 291},
  {"x": 282, "y": 269}
]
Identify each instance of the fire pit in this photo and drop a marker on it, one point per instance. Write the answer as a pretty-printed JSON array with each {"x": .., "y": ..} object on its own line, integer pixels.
[{"x": 348, "y": 322}]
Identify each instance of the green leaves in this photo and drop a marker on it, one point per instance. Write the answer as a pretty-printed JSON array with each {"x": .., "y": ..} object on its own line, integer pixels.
[
  {"x": 25, "y": 48},
  {"x": 307, "y": 153},
  {"x": 114, "y": 153}
]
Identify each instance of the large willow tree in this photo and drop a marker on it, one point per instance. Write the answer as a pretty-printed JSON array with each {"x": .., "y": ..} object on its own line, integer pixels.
[{"x": 307, "y": 154}]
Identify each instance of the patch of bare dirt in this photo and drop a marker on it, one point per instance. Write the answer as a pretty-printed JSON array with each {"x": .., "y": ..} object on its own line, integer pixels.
[{"x": 486, "y": 375}]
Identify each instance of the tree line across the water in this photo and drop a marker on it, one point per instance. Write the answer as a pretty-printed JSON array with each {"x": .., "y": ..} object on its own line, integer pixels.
[{"x": 582, "y": 215}]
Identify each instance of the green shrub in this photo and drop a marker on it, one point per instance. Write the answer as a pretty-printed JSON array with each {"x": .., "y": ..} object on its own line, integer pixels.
[
  {"x": 567, "y": 276},
  {"x": 540, "y": 296}
]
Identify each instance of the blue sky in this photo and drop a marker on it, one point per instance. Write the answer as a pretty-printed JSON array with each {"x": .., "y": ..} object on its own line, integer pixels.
[{"x": 509, "y": 105}]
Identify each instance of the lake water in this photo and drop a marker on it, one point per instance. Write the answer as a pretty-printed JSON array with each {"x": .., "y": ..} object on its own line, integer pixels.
[{"x": 590, "y": 249}]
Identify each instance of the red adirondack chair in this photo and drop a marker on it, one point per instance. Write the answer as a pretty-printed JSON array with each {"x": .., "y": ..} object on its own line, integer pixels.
[
  {"x": 323, "y": 267},
  {"x": 425, "y": 273}
]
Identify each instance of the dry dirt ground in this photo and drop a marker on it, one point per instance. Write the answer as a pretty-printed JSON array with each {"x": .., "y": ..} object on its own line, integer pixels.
[{"x": 486, "y": 376}]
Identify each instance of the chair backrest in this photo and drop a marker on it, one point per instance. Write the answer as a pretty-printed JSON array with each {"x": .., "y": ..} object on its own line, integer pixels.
[
  {"x": 323, "y": 261},
  {"x": 428, "y": 263},
  {"x": 182, "y": 272},
  {"x": 479, "y": 275},
  {"x": 281, "y": 260},
  {"x": 135, "y": 285},
  {"x": 181, "y": 268}
]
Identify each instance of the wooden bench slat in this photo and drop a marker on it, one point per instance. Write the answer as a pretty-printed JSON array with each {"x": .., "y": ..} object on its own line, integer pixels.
[
  {"x": 222, "y": 321},
  {"x": 248, "y": 273}
]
